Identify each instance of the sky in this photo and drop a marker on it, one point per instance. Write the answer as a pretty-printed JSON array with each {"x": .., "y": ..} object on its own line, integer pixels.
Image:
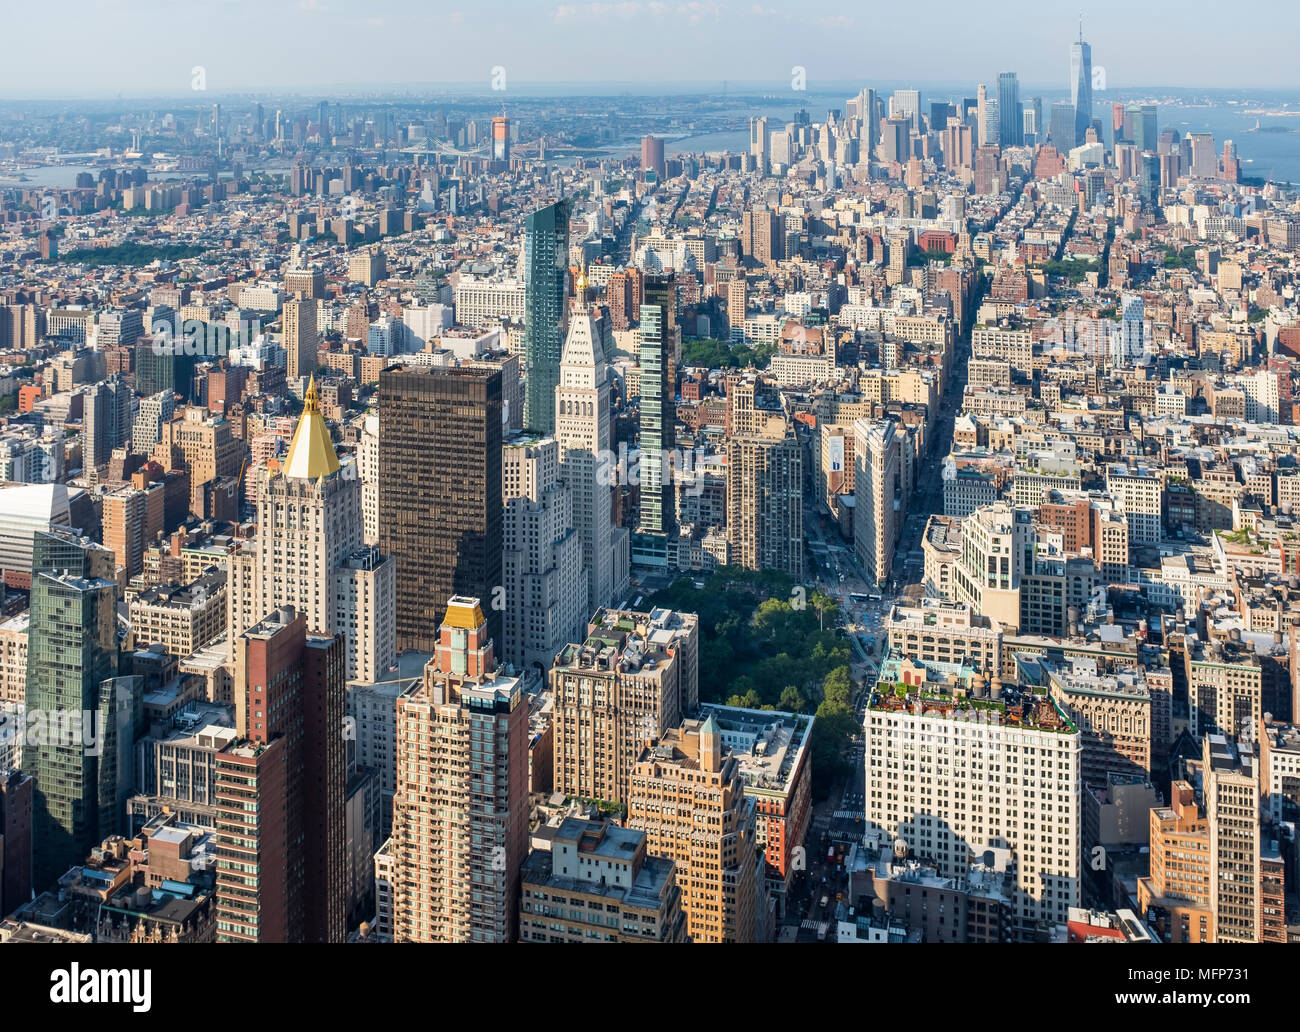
[{"x": 102, "y": 48}]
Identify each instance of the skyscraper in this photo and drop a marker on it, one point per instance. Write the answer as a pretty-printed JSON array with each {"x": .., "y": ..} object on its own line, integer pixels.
[
  {"x": 546, "y": 260},
  {"x": 501, "y": 139},
  {"x": 300, "y": 337},
  {"x": 72, "y": 666},
  {"x": 582, "y": 430},
  {"x": 876, "y": 455},
  {"x": 1062, "y": 130},
  {"x": 440, "y": 492},
  {"x": 1080, "y": 89},
  {"x": 460, "y": 814},
  {"x": 280, "y": 787},
  {"x": 546, "y": 586},
  {"x": 660, "y": 340},
  {"x": 765, "y": 499},
  {"x": 652, "y": 156},
  {"x": 310, "y": 553},
  {"x": 1011, "y": 119}
]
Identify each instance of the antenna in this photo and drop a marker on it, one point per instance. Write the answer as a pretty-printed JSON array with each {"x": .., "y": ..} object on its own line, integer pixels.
[{"x": 1080, "y": 26}]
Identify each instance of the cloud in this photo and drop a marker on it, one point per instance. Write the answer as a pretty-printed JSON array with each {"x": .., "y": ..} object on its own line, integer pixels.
[
  {"x": 838, "y": 21},
  {"x": 457, "y": 17}
]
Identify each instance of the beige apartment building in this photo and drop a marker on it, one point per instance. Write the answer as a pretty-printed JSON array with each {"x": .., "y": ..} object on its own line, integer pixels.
[
  {"x": 592, "y": 881},
  {"x": 688, "y": 796},
  {"x": 460, "y": 813},
  {"x": 633, "y": 679},
  {"x": 765, "y": 499}
]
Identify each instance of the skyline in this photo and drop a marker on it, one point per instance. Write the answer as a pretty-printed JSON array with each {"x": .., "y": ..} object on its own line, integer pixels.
[{"x": 243, "y": 50}]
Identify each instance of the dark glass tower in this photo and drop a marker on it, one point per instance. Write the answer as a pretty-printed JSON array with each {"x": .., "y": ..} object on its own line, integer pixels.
[
  {"x": 1011, "y": 118},
  {"x": 546, "y": 261},
  {"x": 87, "y": 715},
  {"x": 440, "y": 509}
]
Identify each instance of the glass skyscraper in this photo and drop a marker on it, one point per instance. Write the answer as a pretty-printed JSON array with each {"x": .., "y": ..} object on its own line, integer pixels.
[
  {"x": 1080, "y": 88},
  {"x": 546, "y": 260},
  {"x": 81, "y": 717},
  {"x": 1011, "y": 119}
]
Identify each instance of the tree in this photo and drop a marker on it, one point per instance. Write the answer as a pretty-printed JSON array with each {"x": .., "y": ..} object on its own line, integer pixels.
[
  {"x": 824, "y": 604},
  {"x": 791, "y": 700}
]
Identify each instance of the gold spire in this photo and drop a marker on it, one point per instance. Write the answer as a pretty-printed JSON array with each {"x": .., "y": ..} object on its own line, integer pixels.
[{"x": 311, "y": 454}]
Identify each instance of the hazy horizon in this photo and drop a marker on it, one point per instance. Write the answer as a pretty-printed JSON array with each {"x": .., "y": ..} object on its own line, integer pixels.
[{"x": 108, "y": 48}]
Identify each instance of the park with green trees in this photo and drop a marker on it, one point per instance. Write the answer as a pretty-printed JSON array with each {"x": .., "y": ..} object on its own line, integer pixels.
[{"x": 767, "y": 643}]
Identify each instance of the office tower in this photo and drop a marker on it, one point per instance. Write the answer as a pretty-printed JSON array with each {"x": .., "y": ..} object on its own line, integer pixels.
[
  {"x": 1136, "y": 489},
  {"x": 988, "y": 117},
  {"x": 159, "y": 367},
  {"x": 1033, "y": 119},
  {"x": 368, "y": 471},
  {"x": 1062, "y": 130},
  {"x": 761, "y": 235},
  {"x": 21, "y": 326},
  {"x": 652, "y": 156},
  {"x": 906, "y": 104},
  {"x": 989, "y": 177},
  {"x": 582, "y": 430},
  {"x": 1020, "y": 786},
  {"x": 301, "y": 341},
  {"x": 1149, "y": 182},
  {"x": 591, "y": 872},
  {"x": 106, "y": 418},
  {"x": 736, "y": 306},
  {"x": 688, "y": 796},
  {"x": 119, "y": 328},
  {"x": 545, "y": 584},
  {"x": 1080, "y": 89},
  {"x": 632, "y": 678},
  {"x": 1146, "y": 130},
  {"x": 958, "y": 146},
  {"x": 310, "y": 553},
  {"x": 1231, "y": 163},
  {"x": 155, "y": 410},
  {"x": 440, "y": 492},
  {"x": 660, "y": 343},
  {"x": 210, "y": 452},
  {"x": 765, "y": 499},
  {"x": 460, "y": 815},
  {"x": 124, "y": 522},
  {"x": 216, "y": 119},
  {"x": 1011, "y": 121},
  {"x": 1175, "y": 896},
  {"x": 895, "y": 140},
  {"x": 501, "y": 139},
  {"x": 1231, "y": 792},
  {"x": 875, "y": 475},
  {"x": 546, "y": 262},
  {"x": 72, "y": 666},
  {"x": 279, "y": 789},
  {"x": 15, "y": 839},
  {"x": 304, "y": 283},
  {"x": 759, "y": 141},
  {"x": 1205, "y": 160}
]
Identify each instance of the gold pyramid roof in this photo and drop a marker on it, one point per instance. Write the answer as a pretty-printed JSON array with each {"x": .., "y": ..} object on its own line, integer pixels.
[{"x": 311, "y": 454}]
